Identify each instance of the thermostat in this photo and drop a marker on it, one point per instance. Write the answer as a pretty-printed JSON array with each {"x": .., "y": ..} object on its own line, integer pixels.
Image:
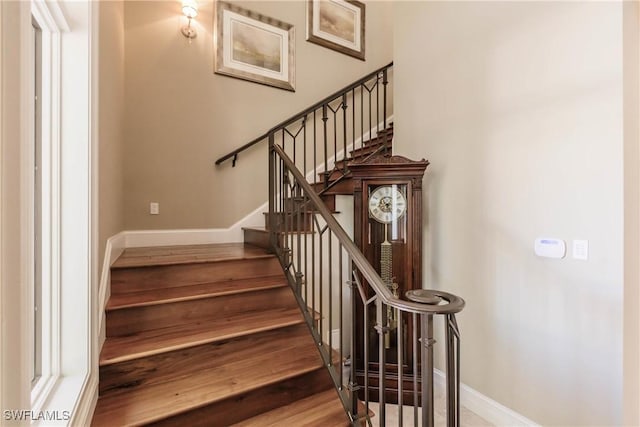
[{"x": 550, "y": 248}]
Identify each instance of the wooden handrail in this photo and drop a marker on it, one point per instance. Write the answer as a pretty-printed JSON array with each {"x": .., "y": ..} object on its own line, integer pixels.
[{"x": 234, "y": 154}]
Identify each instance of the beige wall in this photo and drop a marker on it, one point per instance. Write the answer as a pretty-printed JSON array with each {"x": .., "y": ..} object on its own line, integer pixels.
[
  {"x": 180, "y": 116},
  {"x": 631, "y": 367},
  {"x": 14, "y": 365},
  {"x": 519, "y": 108},
  {"x": 111, "y": 121}
]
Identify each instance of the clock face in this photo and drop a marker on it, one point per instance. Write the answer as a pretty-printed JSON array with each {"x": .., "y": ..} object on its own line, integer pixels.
[{"x": 387, "y": 204}]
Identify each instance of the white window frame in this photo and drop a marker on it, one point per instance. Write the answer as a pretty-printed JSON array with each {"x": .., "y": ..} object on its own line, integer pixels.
[
  {"x": 52, "y": 23},
  {"x": 68, "y": 382}
]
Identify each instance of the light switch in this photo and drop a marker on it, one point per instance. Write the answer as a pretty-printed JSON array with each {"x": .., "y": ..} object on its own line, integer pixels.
[
  {"x": 154, "y": 208},
  {"x": 581, "y": 249}
]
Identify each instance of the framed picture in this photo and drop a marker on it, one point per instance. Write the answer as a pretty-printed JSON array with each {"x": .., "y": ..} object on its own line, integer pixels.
[
  {"x": 253, "y": 47},
  {"x": 337, "y": 24}
]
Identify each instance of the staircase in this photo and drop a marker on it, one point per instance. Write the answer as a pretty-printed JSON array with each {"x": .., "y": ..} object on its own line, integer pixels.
[
  {"x": 335, "y": 182},
  {"x": 209, "y": 335}
]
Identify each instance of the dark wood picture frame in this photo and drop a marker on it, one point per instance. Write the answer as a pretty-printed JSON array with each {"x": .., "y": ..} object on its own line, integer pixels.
[
  {"x": 253, "y": 47},
  {"x": 337, "y": 25}
]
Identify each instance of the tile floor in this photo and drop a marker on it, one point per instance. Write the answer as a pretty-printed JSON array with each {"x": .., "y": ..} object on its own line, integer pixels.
[{"x": 467, "y": 418}]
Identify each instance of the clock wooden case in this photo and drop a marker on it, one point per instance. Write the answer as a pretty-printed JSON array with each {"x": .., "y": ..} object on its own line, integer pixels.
[{"x": 388, "y": 230}]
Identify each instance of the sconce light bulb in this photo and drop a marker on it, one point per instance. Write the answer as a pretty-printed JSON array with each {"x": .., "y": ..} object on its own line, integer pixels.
[{"x": 190, "y": 8}]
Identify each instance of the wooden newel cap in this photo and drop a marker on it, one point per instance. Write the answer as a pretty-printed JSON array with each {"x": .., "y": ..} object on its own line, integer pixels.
[{"x": 423, "y": 296}]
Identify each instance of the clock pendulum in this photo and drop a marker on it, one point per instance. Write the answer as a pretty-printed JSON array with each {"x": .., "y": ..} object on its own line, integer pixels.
[
  {"x": 386, "y": 205},
  {"x": 386, "y": 274}
]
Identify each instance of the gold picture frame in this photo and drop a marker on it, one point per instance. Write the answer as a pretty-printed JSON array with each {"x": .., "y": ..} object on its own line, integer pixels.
[
  {"x": 337, "y": 25},
  {"x": 253, "y": 47}
]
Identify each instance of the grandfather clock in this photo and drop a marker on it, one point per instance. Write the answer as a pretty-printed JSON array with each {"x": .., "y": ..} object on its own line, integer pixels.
[{"x": 388, "y": 231}]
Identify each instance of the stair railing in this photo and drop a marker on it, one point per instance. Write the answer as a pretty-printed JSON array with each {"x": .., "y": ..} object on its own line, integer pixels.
[
  {"x": 320, "y": 138},
  {"x": 334, "y": 284},
  {"x": 331, "y": 278}
]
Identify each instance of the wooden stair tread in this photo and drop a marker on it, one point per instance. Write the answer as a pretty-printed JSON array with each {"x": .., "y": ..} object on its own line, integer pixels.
[
  {"x": 321, "y": 409},
  {"x": 122, "y": 300},
  {"x": 189, "y": 254},
  {"x": 146, "y": 343},
  {"x": 266, "y": 362}
]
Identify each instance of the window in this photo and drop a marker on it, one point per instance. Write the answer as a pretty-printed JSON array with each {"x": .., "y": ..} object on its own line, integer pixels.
[
  {"x": 36, "y": 290},
  {"x": 41, "y": 170},
  {"x": 61, "y": 198}
]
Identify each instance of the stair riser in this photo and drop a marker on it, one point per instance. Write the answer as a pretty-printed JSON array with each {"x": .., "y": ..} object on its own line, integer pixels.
[
  {"x": 334, "y": 174},
  {"x": 164, "y": 367},
  {"x": 290, "y": 222},
  {"x": 381, "y": 136},
  {"x": 361, "y": 153},
  {"x": 242, "y": 407},
  {"x": 258, "y": 238},
  {"x": 391, "y": 387},
  {"x": 130, "y": 320},
  {"x": 328, "y": 201},
  {"x": 144, "y": 278},
  {"x": 344, "y": 187}
]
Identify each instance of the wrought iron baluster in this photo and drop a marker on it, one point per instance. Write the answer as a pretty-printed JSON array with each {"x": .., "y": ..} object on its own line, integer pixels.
[
  {"x": 385, "y": 82},
  {"x": 301, "y": 227},
  {"x": 450, "y": 373},
  {"x": 415, "y": 343},
  {"x": 313, "y": 269},
  {"x": 304, "y": 145},
  {"x": 335, "y": 135},
  {"x": 353, "y": 386},
  {"x": 324, "y": 120},
  {"x": 353, "y": 120},
  {"x": 330, "y": 296},
  {"x": 382, "y": 360},
  {"x": 293, "y": 142},
  {"x": 426, "y": 348},
  {"x": 366, "y": 353},
  {"x": 320, "y": 281},
  {"x": 370, "y": 113},
  {"x": 306, "y": 257},
  {"x": 341, "y": 313},
  {"x": 344, "y": 135},
  {"x": 315, "y": 149},
  {"x": 285, "y": 218},
  {"x": 377, "y": 104},
  {"x": 362, "y": 86}
]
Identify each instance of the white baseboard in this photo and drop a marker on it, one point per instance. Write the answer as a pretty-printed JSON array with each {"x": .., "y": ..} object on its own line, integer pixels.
[
  {"x": 233, "y": 234},
  {"x": 335, "y": 338},
  {"x": 492, "y": 411},
  {"x": 83, "y": 413},
  {"x": 114, "y": 247}
]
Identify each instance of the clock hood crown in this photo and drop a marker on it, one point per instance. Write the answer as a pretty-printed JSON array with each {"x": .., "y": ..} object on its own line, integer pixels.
[{"x": 387, "y": 164}]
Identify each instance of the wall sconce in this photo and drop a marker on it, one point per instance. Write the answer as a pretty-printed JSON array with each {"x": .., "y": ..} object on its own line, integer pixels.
[{"x": 190, "y": 10}]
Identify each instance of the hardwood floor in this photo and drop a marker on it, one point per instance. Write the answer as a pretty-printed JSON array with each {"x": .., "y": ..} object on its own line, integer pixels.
[{"x": 208, "y": 335}]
